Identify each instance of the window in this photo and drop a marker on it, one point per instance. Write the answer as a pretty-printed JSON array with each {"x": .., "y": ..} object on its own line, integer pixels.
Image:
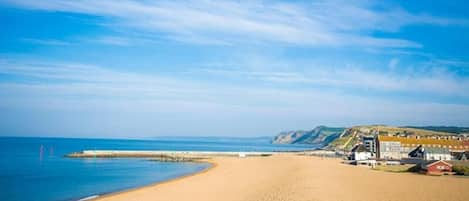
[{"x": 440, "y": 167}]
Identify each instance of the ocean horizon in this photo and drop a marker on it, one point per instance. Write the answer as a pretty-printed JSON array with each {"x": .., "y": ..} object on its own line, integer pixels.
[{"x": 36, "y": 169}]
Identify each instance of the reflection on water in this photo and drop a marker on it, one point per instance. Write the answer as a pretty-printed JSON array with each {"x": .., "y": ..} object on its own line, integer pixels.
[{"x": 34, "y": 169}]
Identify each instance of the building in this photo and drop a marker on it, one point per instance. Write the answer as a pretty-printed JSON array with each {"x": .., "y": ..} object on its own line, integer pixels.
[
  {"x": 436, "y": 167},
  {"x": 388, "y": 149},
  {"x": 433, "y": 153},
  {"x": 369, "y": 142},
  {"x": 410, "y": 142},
  {"x": 397, "y": 147},
  {"x": 460, "y": 156},
  {"x": 360, "y": 152},
  {"x": 417, "y": 152}
]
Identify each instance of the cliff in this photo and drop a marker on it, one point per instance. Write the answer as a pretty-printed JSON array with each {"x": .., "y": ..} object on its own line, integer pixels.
[
  {"x": 345, "y": 138},
  {"x": 351, "y": 136},
  {"x": 321, "y": 135}
]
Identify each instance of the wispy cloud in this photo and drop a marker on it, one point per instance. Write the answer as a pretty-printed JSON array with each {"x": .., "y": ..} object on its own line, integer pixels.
[
  {"x": 46, "y": 41},
  {"x": 334, "y": 23},
  {"x": 113, "y": 40},
  {"x": 174, "y": 105},
  {"x": 451, "y": 62},
  {"x": 435, "y": 83},
  {"x": 100, "y": 81}
]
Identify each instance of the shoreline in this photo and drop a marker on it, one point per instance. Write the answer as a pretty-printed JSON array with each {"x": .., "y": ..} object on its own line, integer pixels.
[
  {"x": 295, "y": 177},
  {"x": 165, "y": 156},
  {"x": 127, "y": 190}
]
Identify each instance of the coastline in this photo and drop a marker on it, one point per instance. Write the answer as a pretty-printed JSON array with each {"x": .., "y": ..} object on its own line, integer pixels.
[
  {"x": 212, "y": 165},
  {"x": 293, "y": 177}
]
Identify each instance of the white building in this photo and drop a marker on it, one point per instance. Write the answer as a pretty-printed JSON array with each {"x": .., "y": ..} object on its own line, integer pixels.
[
  {"x": 435, "y": 153},
  {"x": 389, "y": 150},
  {"x": 360, "y": 152}
]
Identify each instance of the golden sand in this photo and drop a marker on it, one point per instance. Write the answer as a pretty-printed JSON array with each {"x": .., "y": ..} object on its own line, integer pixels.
[{"x": 298, "y": 178}]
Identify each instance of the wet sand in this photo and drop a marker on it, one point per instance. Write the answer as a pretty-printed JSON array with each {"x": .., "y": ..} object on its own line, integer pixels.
[{"x": 286, "y": 177}]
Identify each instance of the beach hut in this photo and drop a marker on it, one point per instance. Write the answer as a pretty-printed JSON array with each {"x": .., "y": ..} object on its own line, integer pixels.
[{"x": 436, "y": 167}]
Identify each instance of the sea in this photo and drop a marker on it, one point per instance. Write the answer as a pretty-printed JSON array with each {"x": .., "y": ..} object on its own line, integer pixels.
[{"x": 36, "y": 169}]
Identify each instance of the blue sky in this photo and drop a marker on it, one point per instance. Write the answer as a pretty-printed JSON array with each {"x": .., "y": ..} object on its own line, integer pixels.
[{"x": 230, "y": 68}]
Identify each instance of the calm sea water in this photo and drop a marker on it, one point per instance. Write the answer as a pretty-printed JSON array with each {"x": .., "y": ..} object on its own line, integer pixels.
[{"x": 35, "y": 169}]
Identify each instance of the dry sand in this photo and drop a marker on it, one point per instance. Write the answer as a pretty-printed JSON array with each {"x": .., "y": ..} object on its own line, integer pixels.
[{"x": 297, "y": 178}]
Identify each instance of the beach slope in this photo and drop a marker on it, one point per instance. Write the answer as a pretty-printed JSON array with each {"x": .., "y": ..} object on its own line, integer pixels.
[{"x": 287, "y": 177}]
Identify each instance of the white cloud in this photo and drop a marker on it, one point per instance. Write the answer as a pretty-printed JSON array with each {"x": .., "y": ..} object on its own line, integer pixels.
[
  {"x": 113, "y": 40},
  {"x": 422, "y": 80},
  {"x": 46, "y": 41},
  {"x": 451, "y": 62},
  {"x": 393, "y": 63},
  {"x": 334, "y": 23},
  {"x": 87, "y": 99},
  {"x": 94, "y": 81}
]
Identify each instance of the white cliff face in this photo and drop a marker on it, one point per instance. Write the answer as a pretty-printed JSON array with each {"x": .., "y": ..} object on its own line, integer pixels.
[
  {"x": 288, "y": 137},
  {"x": 319, "y": 135}
]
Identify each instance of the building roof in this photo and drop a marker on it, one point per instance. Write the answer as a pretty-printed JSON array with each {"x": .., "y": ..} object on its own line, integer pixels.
[
  {"x": 460, "y": 155},
  {"x": 417, "y": 152},
  {"x": 457, "y": 144},
  {"x": 433, "y": 162},
  {"x": 368, "y": 137},
  {"x": 360, "y": 148},
  {"x": 436, "y": 150}
]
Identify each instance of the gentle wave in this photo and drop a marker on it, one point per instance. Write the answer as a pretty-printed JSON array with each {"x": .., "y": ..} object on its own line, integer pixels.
[{"x": 89, "y": 198}]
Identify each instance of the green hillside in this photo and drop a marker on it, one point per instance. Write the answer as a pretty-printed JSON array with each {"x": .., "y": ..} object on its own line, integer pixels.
[
  {"x": 352, "y": 135},
  {"x": 320, "y": 135}
]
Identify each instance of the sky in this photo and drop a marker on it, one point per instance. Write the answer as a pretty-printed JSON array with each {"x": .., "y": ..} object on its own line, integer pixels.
[{"x": 130, "y": 68}]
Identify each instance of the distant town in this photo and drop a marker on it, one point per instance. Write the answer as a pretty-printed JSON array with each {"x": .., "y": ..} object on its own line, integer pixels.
[
  {"x": 433, "y": 154},
  {"x": 431, "y": 150}
]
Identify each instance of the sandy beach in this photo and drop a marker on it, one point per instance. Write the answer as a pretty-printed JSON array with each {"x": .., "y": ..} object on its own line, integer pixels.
[{"x": 288, "y": 177}]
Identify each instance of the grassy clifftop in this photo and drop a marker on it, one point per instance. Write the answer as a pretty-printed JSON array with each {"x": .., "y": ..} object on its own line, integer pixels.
[
  {"x": 351, "y": 136},
  {"x": 344, "y": 139},
  {"x": 447, "y": 129}
]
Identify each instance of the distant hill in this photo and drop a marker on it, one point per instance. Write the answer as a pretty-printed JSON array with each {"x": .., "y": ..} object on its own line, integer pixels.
[
  {"x": 321, "y": 135},
  {"x": 351, "y": 136},
  {"x": 447, "y": 129}
]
